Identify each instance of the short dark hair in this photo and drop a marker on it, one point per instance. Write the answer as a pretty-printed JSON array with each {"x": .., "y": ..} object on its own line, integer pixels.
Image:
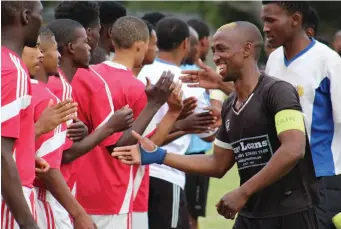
[
  {"x": 292, "y": 7},
  {"x": 45, "y": 32},
  {"x": 64, "y": 31},
  {"x": 9, "y": 8},
  {"x": 86, "y": 13},
  {"x": 128, "y": 30},
  {"x": 153, "y": 17},
  {"x": 312, "y": 20},
  {"x": 110, "y": 11},
  {"x": 171, "y": 32},
  {"x": 200, "y": 26},
  {"x": 149, "y": 26}
]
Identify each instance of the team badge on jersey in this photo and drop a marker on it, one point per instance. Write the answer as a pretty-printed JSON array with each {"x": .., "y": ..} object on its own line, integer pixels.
[{"x": 227, "y": 125}]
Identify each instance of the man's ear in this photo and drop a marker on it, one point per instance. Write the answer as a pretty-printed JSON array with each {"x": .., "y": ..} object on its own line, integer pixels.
[
  {"x": 108, "y": 31},
  {"x": 25, "y": 17},
  {"x": 247, "y": 50},
  {"x": 70, "y": 48},
  {"x": 89, "y": 33}
]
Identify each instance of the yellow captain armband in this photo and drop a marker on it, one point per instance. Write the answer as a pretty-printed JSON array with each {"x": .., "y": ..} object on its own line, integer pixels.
[{"x": 289, "y": 120}]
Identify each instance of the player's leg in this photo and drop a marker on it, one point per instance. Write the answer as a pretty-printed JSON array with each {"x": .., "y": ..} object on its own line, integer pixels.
[
  {"x": 140, "y": 220},
  {"x": 7, "y": 219},
  {"x": 330, "y": 195},
  {"x": 61, "y": 216},
  {"x": 196, "y": 190},
  {"x": 183, "y": 218},
  {"x": 301, "y": 220},
  {"x": 164, "y": 204},
  {"x": 45, "y": 215},
  {"x": 122, "y": 221},
  {"x": 249, "y": 223}
]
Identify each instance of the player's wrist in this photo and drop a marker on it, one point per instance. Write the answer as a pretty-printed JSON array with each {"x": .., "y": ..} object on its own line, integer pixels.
[
  {"x": 38, "y": 129},
  {"x": 245, "y": 190},
  {"x": 154, "y": 105},
  {"x": 157, "y": 156}
]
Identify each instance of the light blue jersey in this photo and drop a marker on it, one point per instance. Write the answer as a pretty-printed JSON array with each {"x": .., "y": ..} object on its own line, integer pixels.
[{"x": 197, "y": 145}]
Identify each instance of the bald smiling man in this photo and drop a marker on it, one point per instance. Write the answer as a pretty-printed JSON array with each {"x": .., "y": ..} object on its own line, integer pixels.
[{"x": 263, "y": 133}]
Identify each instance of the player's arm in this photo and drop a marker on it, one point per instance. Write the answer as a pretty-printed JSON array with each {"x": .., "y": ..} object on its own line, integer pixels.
[
  {"x": 119, "y": 121},
  {"x": 11, "y": 188},
  {"x": 215, "y": 165},
  {"x": 175, "y": 105},
  {"x": 334, "y": 75},
  {"x": 157, "y": 96},
  {"x": 288, "y": 117},
  {"x": 56, "y": 184}
]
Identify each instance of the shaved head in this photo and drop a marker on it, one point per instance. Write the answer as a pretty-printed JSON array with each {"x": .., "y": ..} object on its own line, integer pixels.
[
  {"x": 236, "y": 46},
  {"x": 245, "y": 32}
]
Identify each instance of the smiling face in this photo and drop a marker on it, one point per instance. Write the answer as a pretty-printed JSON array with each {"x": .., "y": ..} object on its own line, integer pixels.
[
  {"x": 279, "y": 26},
  {"x": 227, "y": 49}
]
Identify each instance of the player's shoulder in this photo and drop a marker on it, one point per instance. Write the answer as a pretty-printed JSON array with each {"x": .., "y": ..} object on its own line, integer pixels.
[
  {"x": 327, "y": 53},
  {"x": 12, "y": 66},
  {"x": 87, "y": 77},
  {"x": 277, "y": 54},
  {"x": 40, "y": 92},
  {"x": 270, "y": 84}
]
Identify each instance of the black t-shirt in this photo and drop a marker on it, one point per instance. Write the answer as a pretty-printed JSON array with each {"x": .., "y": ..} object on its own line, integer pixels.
[{"x": 251, "y": 134}]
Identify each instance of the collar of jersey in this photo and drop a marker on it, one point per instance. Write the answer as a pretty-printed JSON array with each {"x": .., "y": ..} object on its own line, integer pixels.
[
  {"x": 115, "y": 65},
  {"x": 164, "y": 62},
  {"x": 306, "y": 49}
]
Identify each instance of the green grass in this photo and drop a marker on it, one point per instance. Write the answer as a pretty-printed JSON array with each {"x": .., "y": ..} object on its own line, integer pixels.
[{"x": 218, "y": 188}]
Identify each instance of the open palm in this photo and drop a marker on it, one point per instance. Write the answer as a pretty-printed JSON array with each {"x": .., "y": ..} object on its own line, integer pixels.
[{"x": 206, "y": 77}]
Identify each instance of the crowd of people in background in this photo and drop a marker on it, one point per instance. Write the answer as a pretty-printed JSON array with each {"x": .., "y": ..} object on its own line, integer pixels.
[{"x": 107, "y": 119}]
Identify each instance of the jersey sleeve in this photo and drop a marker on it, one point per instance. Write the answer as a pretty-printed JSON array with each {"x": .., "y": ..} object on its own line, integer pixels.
[
  {"x": 282, "y": 96},
  {"x": 334, "y": 76},
  {"x": 221, "y": 139},
  {"x": 284, "y": 106},
  {"x": 12, "y": 102}
]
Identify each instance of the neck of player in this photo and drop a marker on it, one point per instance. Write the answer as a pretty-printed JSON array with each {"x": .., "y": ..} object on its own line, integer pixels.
[
  {"x": 171, "y": 57},
  {"x": 294, "y": 46},
  {"x": 247, "y": 82},
  {"x": 16, "y": 45},
  {"x": 124, "y": 57},
  {"x": 68, "y": 68}
]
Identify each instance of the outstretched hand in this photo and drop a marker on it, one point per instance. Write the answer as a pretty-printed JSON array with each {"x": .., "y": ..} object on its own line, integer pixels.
[
  {"x": 174, "y": 101},
  {"x": 158, "y": 94},
  {"x": 130, "y": 155},
  {"x": 189, "y": 106},
  {"x": 206, "y": 77}
]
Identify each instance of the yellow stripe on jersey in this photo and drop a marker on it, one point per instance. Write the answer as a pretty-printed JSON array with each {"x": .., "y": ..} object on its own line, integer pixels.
[{"x": 289, "y": 120}]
